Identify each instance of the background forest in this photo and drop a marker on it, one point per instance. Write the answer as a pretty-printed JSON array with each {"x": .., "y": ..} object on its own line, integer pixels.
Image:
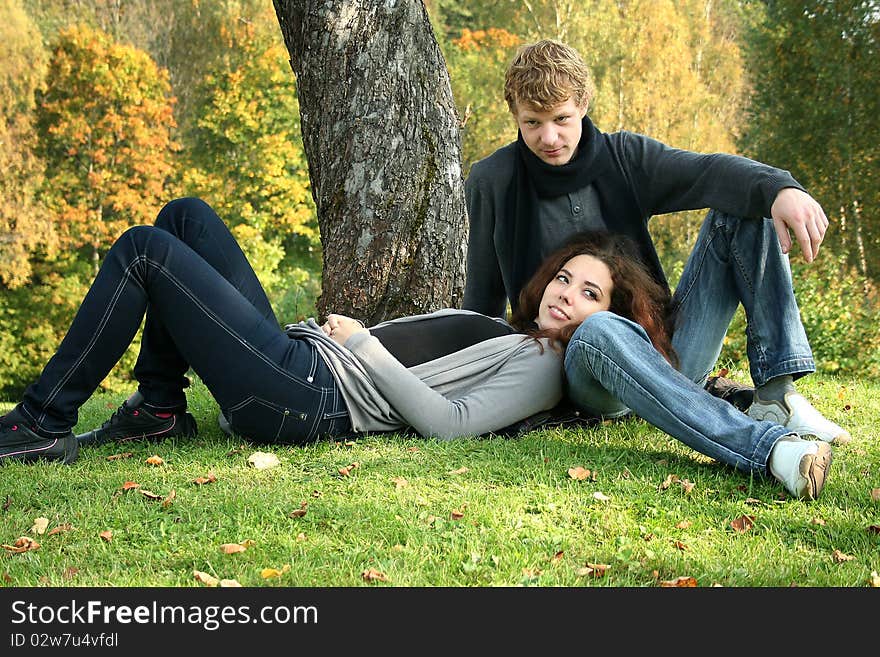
[{"x": 113, "y": 107}]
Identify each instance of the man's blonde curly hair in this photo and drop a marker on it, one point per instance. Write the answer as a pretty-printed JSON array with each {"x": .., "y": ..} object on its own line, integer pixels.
[{"x": 545, "y": 74}]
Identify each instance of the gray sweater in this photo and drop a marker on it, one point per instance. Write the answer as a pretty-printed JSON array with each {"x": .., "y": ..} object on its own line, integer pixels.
[
  {"x": 663, "y": 180},
  {"x": 471, "y": 392}
]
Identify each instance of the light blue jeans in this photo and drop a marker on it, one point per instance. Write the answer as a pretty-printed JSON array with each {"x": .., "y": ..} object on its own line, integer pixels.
[{"x": 612, "y": 369}]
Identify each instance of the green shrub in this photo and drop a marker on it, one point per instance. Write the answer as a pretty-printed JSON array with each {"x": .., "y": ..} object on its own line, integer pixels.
[{"x": 840, "y": 310}]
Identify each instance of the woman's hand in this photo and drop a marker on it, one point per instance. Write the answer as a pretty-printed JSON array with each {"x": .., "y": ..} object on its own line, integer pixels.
[{"x": 340, "y": 328}]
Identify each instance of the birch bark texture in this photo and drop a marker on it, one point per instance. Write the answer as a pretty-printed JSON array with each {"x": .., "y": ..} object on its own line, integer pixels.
[{"x": 382, "y": 139}]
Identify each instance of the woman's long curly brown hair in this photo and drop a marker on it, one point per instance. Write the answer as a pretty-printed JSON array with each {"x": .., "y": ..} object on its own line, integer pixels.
[{"x": 635, "y": 294}]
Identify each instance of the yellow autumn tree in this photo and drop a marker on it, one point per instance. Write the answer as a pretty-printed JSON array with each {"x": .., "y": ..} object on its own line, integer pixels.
[
  {"x": 24, "y": 225},
  {"x": 246, "y": 158},
  {"x": 104, "y": 125},
  {"x": 477, "y": 60}
]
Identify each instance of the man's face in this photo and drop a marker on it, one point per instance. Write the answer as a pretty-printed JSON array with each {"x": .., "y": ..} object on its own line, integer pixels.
[{"x": 554, "y": 135}]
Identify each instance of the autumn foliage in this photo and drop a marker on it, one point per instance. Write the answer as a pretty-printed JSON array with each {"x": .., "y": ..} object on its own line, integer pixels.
[{"x": 105, "y": 123}]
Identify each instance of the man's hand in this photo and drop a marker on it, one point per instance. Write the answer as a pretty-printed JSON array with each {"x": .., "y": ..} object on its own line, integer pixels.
[
  {"x": 799, "y": 212},
  {"x": 340, "y": 328}
]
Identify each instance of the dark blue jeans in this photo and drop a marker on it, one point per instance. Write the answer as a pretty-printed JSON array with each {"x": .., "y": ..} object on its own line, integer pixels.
[{"x": 205, "y": 310}]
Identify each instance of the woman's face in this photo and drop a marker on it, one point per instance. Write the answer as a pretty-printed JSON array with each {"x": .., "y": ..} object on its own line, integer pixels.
[{"x": 582, "y": 287}]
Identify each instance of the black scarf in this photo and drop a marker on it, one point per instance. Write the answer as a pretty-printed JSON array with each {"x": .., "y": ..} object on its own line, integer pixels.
[{"x": 592, "y": 164}]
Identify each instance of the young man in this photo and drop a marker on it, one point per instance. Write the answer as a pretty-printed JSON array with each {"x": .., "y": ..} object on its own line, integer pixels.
[{"x": 562, "y": 175}]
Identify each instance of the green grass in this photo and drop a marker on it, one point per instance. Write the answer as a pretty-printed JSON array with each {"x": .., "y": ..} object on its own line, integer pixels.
[{"x": 524, "y": 520}]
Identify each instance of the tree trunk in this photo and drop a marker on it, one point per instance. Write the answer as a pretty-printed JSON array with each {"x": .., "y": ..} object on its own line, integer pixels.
[{"x": 381, "y": 135}]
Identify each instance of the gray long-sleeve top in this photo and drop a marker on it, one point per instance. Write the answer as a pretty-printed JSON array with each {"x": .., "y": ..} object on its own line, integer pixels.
[
  {"x": 663, "y": 180},
  {"x": 474, "y": 391}
]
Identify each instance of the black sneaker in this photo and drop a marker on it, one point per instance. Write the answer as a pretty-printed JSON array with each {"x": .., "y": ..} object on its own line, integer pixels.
[
  {"x": 19, "y": 442},
  {"x": 730, "y": 391},
  {"x": 132, "y": 421}
]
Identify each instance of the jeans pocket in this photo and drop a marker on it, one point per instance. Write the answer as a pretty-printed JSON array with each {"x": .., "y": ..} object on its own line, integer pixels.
[{"x": 264, "y": 421}]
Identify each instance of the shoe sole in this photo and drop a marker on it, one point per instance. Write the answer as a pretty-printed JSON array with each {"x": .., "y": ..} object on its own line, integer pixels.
[
  {"x": 188, "y": 429},
  {"x": 813, "y": 469},
  {"x": 780, "y": 417},
  {"x": 68, "y": 456}
]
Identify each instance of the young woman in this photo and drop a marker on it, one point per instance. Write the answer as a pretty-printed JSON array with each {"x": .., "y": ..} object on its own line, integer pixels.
[{"x": 445, "y": 374}]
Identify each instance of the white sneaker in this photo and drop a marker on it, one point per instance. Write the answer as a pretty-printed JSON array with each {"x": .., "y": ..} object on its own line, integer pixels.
[
  {"x": 801, "y": 465},
  {"x": 798, "y": 415}
]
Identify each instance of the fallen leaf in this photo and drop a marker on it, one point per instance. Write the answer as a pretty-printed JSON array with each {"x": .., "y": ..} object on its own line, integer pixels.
[
  {"x": 456, "y": 514},
  {"x": 743, "y": 523},
  {"x": 21, "y": 544},
  {"x": 236, "y": 450},
  {"x": 229, "y": 583},
  {"x": 232, "y": 548},
  {"x": 70, "y": 573},
  {"x": 668, "y": 481},
  {"x": 684, "y": 524},
  {"x": 268, "y": 573},
  {"x": 7, "y": 503},
  {"x": 40, "y": 525},
  {"x": 412, "y": 449},
  {"x": 300, "y": 537},
  {"x": 349, "y": 443},
  {"x": 155, "y": 460},
  {"x": 400, "y": 482},
  {"x": 150, "y": 495},
  {"x": 107, "y": 535},
  {"x": 817, "y": 521},
  {"x": 263, "y": 460},
  {"x": 875, "y": 494},
  {"x": 602, "y": 497},
  {"x": 346, "y": 470},
  {"x": 681, "y": 546},
  {"x": 839, "y": 557},
  {"x": 874, "y": 581},
  {"x": 65, "y": 527},
  {"x": 461, "y": 470},
  {"x": 169, "y": 499},
  {"x": 128, "y": 485},
  {"x": 557, "y": 557},
  {"x": 680, "y": 582},
  {"x": 210, "y": 479},
  {"x": 874, "y": 529},
  {"x": 123, "y": 455},
  {"x": 373, "y": 575},
  {"x": 300, "y": 512},
  {"x": 675, "y": 479},
  {"x": 592, "y": 569},
  {"x": 205, "y": 578},
  {"x": 579, "y": 473}
]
